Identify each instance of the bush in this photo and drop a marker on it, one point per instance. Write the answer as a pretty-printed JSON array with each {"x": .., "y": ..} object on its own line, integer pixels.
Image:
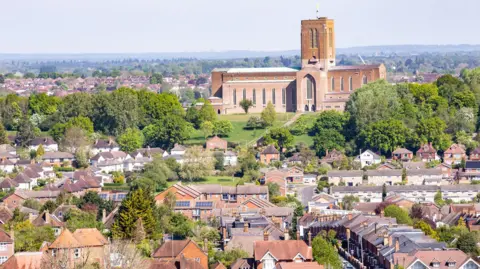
[{"x": 255, "y": 122}]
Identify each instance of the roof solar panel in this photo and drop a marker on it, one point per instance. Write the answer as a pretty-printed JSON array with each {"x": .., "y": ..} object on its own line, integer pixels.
[
  {"x": 182, "y": 204},
  {"x": 204, "y": 204}
]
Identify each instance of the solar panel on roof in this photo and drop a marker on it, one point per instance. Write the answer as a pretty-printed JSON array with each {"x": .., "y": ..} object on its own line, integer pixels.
[
  {"x": 182, "y": 204},
  {"x": 204, "y": 204}
]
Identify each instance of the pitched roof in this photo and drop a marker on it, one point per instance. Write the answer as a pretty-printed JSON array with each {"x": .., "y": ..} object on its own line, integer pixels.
[
  {"x": 24, "y": 260},
  {"x": 65, "y": 240},
  {"x": 178, "y": 147},
  {"x": 8, "y": 183},
  {"x": 270, "y": 150},
  {"x": 260, "y": 203},
  {"x": 22, "y": 178},
  {"x": 5, "y": 237},
  {"x": 57, "y": 155},
  {"x": 429, "y": 256},
  {"x": 172, "y": 248},
  {"x": 455, "y": 149},
  {"x": 345, "y": 173},
  {"x": 47, "y": 219},
  {"x": 383, "y": 173},
  {"x": 401, "y": 151},
  {"x": 88, "y": 237},
  {"x": 243, "y": 263},
  {"x": 282, "y": 249},
  {"x": 426, "y": 148},
  {"x": 300, "y": 265},
  {"x": 105, "y": 143},
  {"x": 46, "y": 141}
]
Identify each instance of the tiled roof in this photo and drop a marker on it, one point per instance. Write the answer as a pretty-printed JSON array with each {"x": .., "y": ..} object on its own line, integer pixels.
[
  {"x": 88, "y": 237},
  {"x": 345, "y": 173},
  {"x": 47, "y": 219},
  {"x": 401, "y": 151},
  {"x": 383, "y": 173},
  {"x": 171, "y": 248},
  {"x": 5, "y": 237},
  {"x": 270, "y": 150},
  {"x": 46, "y": 141},
  {"x": 260, "y": 203},
  {"x": 282, "y": 249},
  {"x": 429, "y": 256},
  {"x": 455, "y": 149},
  {"x": 295, "y": 265},
  {"x": 8, "y": 183},
  {"x": 24, "y": 260},
  {"x": 65, "y": 240},
  {"x": 57, "y": 155},
  {"x": 105, "y": 143}
]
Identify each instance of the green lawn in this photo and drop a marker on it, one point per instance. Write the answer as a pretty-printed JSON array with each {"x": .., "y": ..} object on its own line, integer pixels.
[
  {"x": 221, "y": 180},
  {"x": 308, "y": 140},
  {"x": 239, "y": 135}
]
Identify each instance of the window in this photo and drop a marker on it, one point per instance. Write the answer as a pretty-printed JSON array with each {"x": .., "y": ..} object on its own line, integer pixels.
[
  {"x": 273, "y": 96},
  {"x": 315, "y": 38},
  {"x": 350, "y": 84},
  {"x": 197, "y": 259},
  {"x": 76, "y": 253},
  {"x": 435, "y": 264},
  {"x": 451, "y": 263},
  {"x": 365, "y": 80},
  {"x": 244, "y": 94},
  {"x": 333, "y": 85},
  {"x": 341, "y": 84},
  {"x": 311, "y": 39},
  {"x": 3, "y": 246},
  {"x": 284, "y": 96},
  {"x": 309, "y": 88},
  {"x": 234, "y": 96},
  {"x": 264, "y": 97},
  {"x": 54, "y": 252},
  {"x": 225, "y": 196},
  {"x": 254, "y": 97},
  {"x": 3, "y": 259}
]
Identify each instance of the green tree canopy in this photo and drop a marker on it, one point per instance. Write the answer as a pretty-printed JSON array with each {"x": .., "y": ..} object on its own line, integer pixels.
[
  {"x": 269, "y": 114},
  {"x": 130, "y": 140},
  {"x": 385, "y": 135},
  {"x": 400, "y": 214},
  {"x": 280, "y": 137}
]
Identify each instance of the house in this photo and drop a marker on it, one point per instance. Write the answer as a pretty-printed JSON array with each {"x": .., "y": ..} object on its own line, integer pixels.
[
  {"x": 47, "y": 143},
  {"x": 24, "y": 260},
  {"x": 6, "y": 148},
  {"x": 175, "y": 249},
  {"x": 195, "y": 210},
  {"x": 381, "y": 177},
  {"x": 104, "y": 145},
  {"x": 303, "y": 265},
  {"x": 218, "y": 265},
  {"x": 58, "y": 158},
  {"x": 427, "y": 153},
  {"x": 368, "y": 158},
  {"x": 424, "y": 176},
  {"x": 414, "y": 165},
  {"x": 310, "y": 179},
  {"x": 8, "y": 184},
  {"x": 181, "y": 192},
  {"x": 270, "y": 253},
  {"x": 148, "y": 153},
  {"x": 475, "y": 154},
  {"x": 438, "y": 258},
  {"x": 454, "y": 154},
  {"x": 230, "y": 158},
  {"x": 471, "y": 171},
  {"x": 333, "y": 156},
  {"x": 6, "y": 165},
  {"x": 346, "y": 177},
  {"x": 86, "y": 246},
  {"x": 216, "y": 143},
  {"x": 446, "y": 170},
  {"x": 269, "y": 154},
  {"x": 243, "y": 263},
  {"x": 112, "y": 161},
  {"x": 6, "y": 246},
  {"x": 402, "y": 154},
  {"x": 47, "y": 219},
  {"x": 178, "y": 150},
  {"x": 386, "y": 166},
  {"x": 17, "y": 198}
]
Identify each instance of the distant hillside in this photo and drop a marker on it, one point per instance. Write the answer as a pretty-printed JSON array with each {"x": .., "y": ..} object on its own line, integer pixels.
[{"x": 367, "y": 50}]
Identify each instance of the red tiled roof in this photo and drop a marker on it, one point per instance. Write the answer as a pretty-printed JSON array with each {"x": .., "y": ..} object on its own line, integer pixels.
[{"x": 282, "y": 250}]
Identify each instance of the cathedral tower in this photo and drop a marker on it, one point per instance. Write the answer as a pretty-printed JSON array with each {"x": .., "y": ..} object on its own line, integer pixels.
[{"x": 318, "y": 42}]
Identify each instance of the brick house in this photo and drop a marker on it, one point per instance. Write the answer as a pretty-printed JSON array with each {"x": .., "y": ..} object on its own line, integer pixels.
[
  {"x": 195, "y": 210},
  {"x": 6, "y": 246},
  {"x": 85, "y": 246},
  {"x": 269, "y": 154},
  {"x": 402, "y": 154},
  {"x": 447, "y": 258},
  {"x": 58, "y": 158},
  {"x": 454, "y": 154},
  {"x": 181, "y": 192},
  {"x": 333, "y": 156},
  {"x": 268, "y": 254},
  {"x": 475, "y": 154},
  {"x": 47, "y": 219},
  {"x": 427, "y": 153},
  {"x": 176, "y": 249},
  {"x": 216, "y": 143}
]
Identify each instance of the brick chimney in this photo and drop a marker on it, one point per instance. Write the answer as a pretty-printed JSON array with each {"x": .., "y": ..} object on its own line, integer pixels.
[
  {"x": 47, "y": 216},
  {"x": 385, "y": 239},
  {"x": 245, "y": 227},
  {"x": 298, "y": 235},
  {"x": 265, "y": 236},
  {"x": 205, "y": 245},
  {"x": 104, "y": 215},
  {"x": 309, "y": 238},
  {"x": 397, "y": 245},
  {"x": 224, "y": 233},
  {"x": 349, "y": 216}
]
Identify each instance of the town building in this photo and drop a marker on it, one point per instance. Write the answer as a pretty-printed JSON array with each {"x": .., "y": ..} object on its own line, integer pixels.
[
  {"x": 368, "y": 158},
  {"x": 427, "y": 153},
  {"x": 216, "y": 143},
  {"x": 454, "y": 154},
  {"x": 346, "y": 177},
  {"x": 269, "y": 154},
  {"x": 318, "y": 85},
  {"x": 176, "y": 249},
  {"x": 402, "y": 154}
]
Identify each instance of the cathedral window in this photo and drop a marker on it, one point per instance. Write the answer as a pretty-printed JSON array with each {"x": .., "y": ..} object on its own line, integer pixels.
[
  {"x": 309, "y": 88},
  {"x": 341, "y": 84},
  {"x": 273, "y": 96},
  {"x": 350, "y": 84},
  {"x": 333, "y": 85},
  {"x": 284, "y": 96},
  {"x": 254, "y": 97},
  {"x": 244, "y": 94},
  {"x": 234, "y": 96},
  {"x": 264, "y": 97}
]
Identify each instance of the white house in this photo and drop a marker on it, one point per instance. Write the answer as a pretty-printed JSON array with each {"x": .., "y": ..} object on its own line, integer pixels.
[
  {"x": 368, "y": 158},
  {"x": 58, "y": 157},
  {"x": 310, "y": 179},
  {"x": 424, "y": 176},
  {"x": 148, "y": 153},
  {"x": 112, "y": 161},
  {"x": 380, "y": 177},
  {"x": 230, "y": 158},
  {"x": 178, "y": 150},
  {"x": 47, "y": 143},
  {"x": 347, "y": 177},
  {"x": 6, "y": 165},
  {"x": 104, "y": 145}
]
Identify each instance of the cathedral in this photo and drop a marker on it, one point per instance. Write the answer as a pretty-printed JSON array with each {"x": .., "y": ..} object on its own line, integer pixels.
[{"x": 318, "y": 85}]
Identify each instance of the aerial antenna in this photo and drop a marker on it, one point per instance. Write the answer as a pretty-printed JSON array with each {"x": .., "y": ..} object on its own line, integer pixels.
[{"x": 318, "y": 8}]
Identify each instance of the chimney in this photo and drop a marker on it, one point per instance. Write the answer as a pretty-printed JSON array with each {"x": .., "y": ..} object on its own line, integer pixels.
[
  {"x": 385, "y": 239},
  {"x": 224, "y": 233},
  {"x": 47, "y": 216},
  {"x": 349, "y": 216},
  {"x": 326, "y": 153},
  {"x": 298, "y": 235},
  {"x": 309, "y": 238},
  {"x": 205, "y": 245},
  {"x": 245, "y": 227},
  {"x": 265, "y": 236},
  {"x": 390, "y": 241},
  {"x": 397, "y": 245},
  {"x": 382, "y": 213},
  {"x": 286, "y": 236},
  {"x": 104, "y": 215}
]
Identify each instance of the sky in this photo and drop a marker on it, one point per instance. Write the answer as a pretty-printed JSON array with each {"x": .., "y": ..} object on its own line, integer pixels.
[{"x": 142, "y": 26}]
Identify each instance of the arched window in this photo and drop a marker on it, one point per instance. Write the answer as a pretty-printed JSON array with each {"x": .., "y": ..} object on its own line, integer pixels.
[
  {"x": 332, "y": 88},
  {"x": 264, "y": 97},
  {"x": 341, "y": 84},
  {"x": 350, "y": 84},
  {"x": 244, "y": 94},
  {"x": 254, "y": 97},
  {"x": 309, "y": 88},
  {"x": 365, "y": 79},
  {"x": 312, "y": 39},
  {"x": 284, "y": 96},
  {"x": 234, "y": 96},
  {"x": 315, "y": 38},
  {"x": 273, "y": 96}
]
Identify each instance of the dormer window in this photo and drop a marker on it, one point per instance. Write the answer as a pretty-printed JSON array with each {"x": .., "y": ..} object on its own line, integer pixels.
[
  {"x": 435, "y": 264},
  {"x": 451, "y": 264}
]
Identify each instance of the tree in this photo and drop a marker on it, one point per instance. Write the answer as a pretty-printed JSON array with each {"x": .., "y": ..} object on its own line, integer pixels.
[
  {"x": 49, "y": 206},
  {"x": 31, "y": 238},
  {"x": 401, "y": 215},
  {"x": 467, "y": 243},
  {"x": 180, "y": 225},
  {"x": 228, "y": 257},
  {"x": 328, "y": 139},
  {"x": 273, "y": 189},
  {"x": 219, "y": 160},
  {"x": 255, "y": 122},
  {"x": 32, "y": 203},
  {"x": 3, "y": 135},
  {"x": 156, "y": 174},
  {"x": 139, "y": 203},
  {"x": 438, "y": 199},
  {"x": 77, "y": 219},
  {"x": 139, "y": 234},
  {"x": 324, "y": 253},
  {"x": 330, "y": 119},
  {"x": 74, "y": 139},
  {"x": 26, "y": 132},
  {"x": 167, "y": 132},
  {"x": 156, "y": 78},
  {"x": 222, "y": 127},
  {"x": 269, "y": 114},
  {"x": 197, "y": 164},
  {"x": 433, "y": 130},
  {"x": 246, "y": 104},
  {"x": 384, "y": 136},
  {"x": 280, "y": 137},
  {"x": 416, "y": 212},
  {"x": 349, "y": 201},
  {"x": 40, "y": 151},
  {"x": 82, "y": 157},
  {"x": 427, "y": 229},
  {"x": 130, "y": 140},
  {"x": 193, "y": 116},
  {"x": 207, "y": 128},
  {"x": 207, "y": 112}
]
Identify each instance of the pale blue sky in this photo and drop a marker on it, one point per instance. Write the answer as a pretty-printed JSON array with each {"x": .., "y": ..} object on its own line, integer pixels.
[{"x": 84, "y": 26}]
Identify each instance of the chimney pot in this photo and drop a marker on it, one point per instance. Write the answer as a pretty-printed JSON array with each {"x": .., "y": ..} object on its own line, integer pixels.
[
  {"x": 397, "y": 245},
  {"x": 298, "y": 235},
  {"x": 245, "y": 227},
  {"x": 286, "y": 235},
  {"x": 309, "y": 238},
  {"x": 265, "y": 236}
]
